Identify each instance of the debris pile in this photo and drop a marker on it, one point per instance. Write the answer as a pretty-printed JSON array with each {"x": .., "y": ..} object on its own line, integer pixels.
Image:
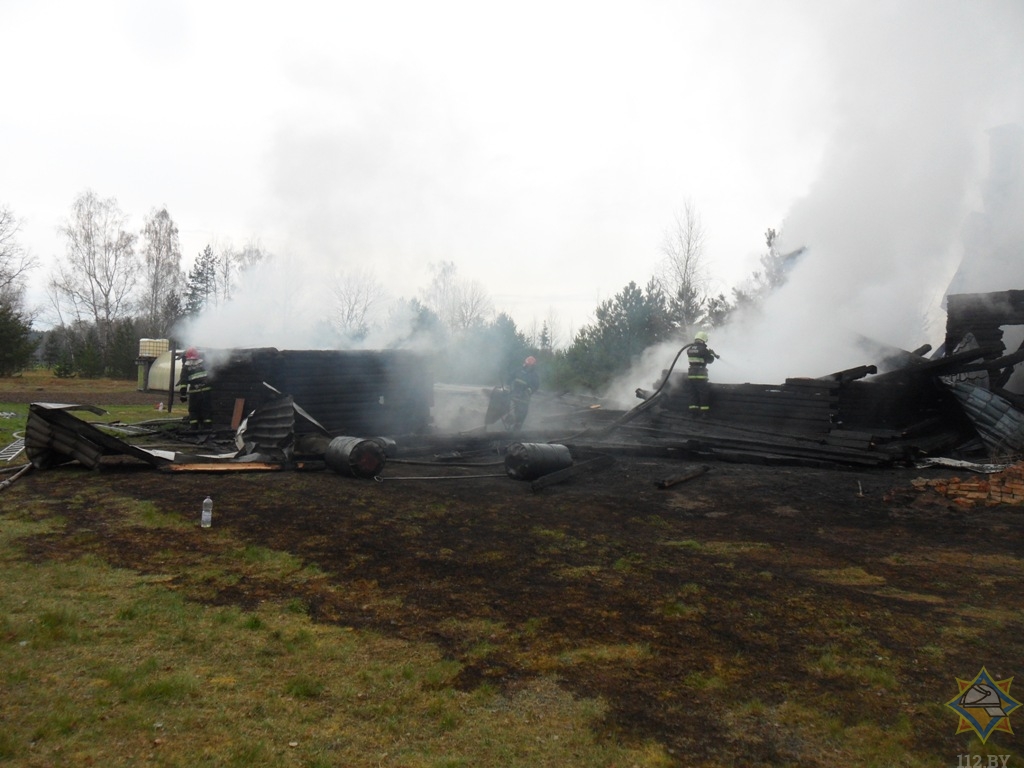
[
  {"x": 288, "y": 408},
  {"x": 959, "y": 401},
  {"x": 1006, "y": 487}
]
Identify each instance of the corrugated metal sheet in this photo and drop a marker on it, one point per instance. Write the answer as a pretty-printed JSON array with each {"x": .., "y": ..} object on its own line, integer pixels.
[
  {"x": 270, "y": 429},
  {"x": 998, "y": 423},
  {"x": 53, "y": 436}
]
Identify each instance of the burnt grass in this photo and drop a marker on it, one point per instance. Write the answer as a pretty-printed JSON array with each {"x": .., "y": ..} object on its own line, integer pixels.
[{"x": 842, "y": 590}]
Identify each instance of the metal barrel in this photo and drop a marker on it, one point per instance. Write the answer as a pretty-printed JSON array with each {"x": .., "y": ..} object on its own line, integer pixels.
[
  {"x": 528, "y": 461},
  {"x": 355, "y": 457},
  {"x": 388, "y": 445}
]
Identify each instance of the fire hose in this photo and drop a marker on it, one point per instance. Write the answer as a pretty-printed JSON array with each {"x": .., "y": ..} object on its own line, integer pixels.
[
  {"x": 636, "y": 411},
  {"x": 10, "y": 481},
  {"x": 425, "y": 463},
  {"x": 381, "y": 479}
]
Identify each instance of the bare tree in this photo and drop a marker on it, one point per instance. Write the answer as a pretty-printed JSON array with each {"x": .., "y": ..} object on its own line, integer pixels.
[
  {"x": 252, "y": 253},
  {"x": 684, "y": 274},
  {"x": 95, "y": 280},
  {"x": 15, "y": 262},
  {"x": 223, "y": 275},
  {"x": 440, "y": 296},
  {"x": 460, "y": 304},
  {"x": 554, "y": 328},
  {"x": 161, "y": 269},
  {"x": 356, "y": 295},
  {"x": 473, "y": 306},
  {"x": 231, "y": 262}
]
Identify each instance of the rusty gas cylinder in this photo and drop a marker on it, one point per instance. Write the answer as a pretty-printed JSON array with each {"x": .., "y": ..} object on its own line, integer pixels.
[{"x": 355, "y": 457}]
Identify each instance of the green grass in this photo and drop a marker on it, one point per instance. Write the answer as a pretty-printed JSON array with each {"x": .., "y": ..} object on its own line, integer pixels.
[
  {"x": 110, "y": 667},
  {"x": 13, "y": 427}
]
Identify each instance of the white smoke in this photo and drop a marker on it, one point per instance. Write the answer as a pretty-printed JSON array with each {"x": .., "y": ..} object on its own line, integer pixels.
[
  {"x": 915, "y": 87},
  {"x": 290, "y": 303},
  {"x": 276, "y": 303}
]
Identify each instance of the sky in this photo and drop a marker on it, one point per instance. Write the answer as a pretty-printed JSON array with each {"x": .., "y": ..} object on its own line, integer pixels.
[{"x": 543, "y": 147}]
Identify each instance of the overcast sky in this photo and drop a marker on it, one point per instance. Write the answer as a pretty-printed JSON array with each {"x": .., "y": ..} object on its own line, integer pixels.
[{"x": 544, "y": 147}]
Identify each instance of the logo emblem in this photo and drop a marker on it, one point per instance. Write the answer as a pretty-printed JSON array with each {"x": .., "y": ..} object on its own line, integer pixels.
[{"x": 984, "y": 705}]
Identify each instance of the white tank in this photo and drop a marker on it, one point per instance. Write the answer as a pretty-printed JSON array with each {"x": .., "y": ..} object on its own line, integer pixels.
[{"x": 160, "y": 372}]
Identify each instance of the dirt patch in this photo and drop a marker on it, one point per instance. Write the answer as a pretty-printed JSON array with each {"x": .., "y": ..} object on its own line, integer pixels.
[{"x": 845, "y": 591}]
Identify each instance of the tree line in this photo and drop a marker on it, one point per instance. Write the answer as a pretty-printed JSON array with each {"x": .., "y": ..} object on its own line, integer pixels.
[{"x": 115, "y": 285}]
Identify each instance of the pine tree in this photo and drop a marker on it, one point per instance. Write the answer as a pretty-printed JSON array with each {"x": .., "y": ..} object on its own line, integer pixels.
[
  {"x": 201, "y": 283},
  {"x": 16, "y": 345}
]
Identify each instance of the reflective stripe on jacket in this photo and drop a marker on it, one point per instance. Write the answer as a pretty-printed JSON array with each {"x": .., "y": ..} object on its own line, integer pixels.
[
  {"x": 699, "y": 356},
  {"x": 193, "y": 379}
]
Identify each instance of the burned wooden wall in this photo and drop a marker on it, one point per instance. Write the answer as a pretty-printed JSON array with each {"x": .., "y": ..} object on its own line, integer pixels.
[
  {"x": 356, "y": 392},
  {"x": 832, "y": 419},
  {"x": 800, "y": 406}
]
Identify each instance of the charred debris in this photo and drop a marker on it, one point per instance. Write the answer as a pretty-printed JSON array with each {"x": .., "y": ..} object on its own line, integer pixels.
[{"x": 353, "y": 412}]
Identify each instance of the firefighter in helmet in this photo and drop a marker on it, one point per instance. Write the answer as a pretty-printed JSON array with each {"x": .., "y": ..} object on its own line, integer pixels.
[
  {"x": 194, "y": 388},
  {"x": 700, "y": 356},
  {"x": 522, "y": 384}
]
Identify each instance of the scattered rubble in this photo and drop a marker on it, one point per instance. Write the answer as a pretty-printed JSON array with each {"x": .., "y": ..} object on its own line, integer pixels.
[
  {"x": 352, "y": 411},
  {"x": 1005, "y": 487}
]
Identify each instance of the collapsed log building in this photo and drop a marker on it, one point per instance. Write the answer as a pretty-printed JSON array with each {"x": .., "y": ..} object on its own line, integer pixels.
[
  {"x": 271, "y": 399},
  {"x": 350, "y": 392},
  {"x": 954, "y": 402},
  {"x": 961, "y": 402}
]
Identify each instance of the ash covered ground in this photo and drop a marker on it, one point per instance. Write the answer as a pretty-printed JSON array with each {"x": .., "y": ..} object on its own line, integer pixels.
[{"x": 676, "y": 606}]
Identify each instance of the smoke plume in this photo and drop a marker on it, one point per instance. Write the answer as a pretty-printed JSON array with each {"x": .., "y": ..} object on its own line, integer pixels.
[{"x": 916, "y": 89}]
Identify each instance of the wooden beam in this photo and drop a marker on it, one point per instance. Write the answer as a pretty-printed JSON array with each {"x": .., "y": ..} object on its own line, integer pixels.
[{"x": 668, "y": 482}]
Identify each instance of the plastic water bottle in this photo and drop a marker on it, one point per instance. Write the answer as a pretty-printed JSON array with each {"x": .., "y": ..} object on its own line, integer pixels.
[{"x": 207, "y": 519}]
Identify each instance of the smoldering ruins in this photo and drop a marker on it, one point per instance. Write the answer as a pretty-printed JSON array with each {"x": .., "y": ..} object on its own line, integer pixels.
[
  {"x": 959, "y": 403},
  {"x": 352, "y": 412}
]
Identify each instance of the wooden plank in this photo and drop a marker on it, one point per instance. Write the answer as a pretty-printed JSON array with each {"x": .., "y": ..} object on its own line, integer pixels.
[
  {"x": 253, "y": 466},
  {"x": 236, "y": 416},
  {"x": 668, "y": 482}
]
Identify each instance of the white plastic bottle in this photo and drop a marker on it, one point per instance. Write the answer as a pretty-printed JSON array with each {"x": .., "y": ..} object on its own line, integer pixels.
[{"x": 207, "y": 519}]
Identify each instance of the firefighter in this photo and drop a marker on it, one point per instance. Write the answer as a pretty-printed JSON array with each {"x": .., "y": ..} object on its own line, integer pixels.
[
  {"x": 194, "y": 388},
  {"x": 522, "y": 384},
  {"x": 699, "y": 356}
]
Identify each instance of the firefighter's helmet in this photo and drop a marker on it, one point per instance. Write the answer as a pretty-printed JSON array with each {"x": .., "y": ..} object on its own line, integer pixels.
[
  {"x": 701, "y": 336},
  {"x": 530, "y": 361},
  {"x": 191, "y": 353}
]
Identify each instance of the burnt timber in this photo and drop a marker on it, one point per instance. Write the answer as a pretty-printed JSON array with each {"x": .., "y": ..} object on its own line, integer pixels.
[
  {"x": 958, "y": 403},
  {"x": 814, "y": 422},
  {"x": 982, "y": 315},
  {"x": 917, "y": 407}
]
